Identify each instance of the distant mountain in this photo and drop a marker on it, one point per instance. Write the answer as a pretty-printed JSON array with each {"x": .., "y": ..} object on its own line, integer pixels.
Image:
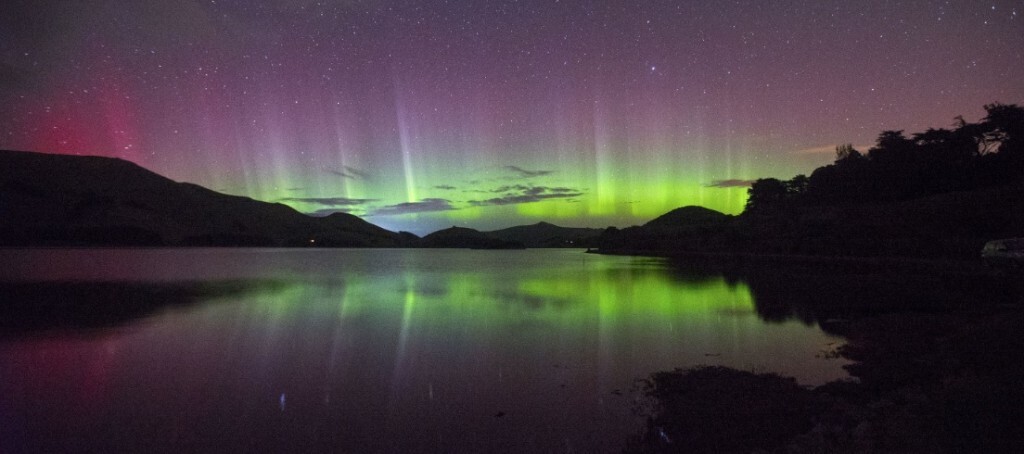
[
  {"x": 543, "y": 234},
  {"x": 461, "y": 237},
  {"x": 938, "y": 194},
  {"x": 683, "y": 229},
  {"x": 48, "y": 199},
  {"x": 689, "y": 216},
  {"x": 953, "y": 225}
]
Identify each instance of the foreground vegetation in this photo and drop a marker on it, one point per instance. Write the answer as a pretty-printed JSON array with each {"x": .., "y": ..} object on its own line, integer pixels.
[
  {"x": 881, "y": 248},
  {"x": 927, "y": 384},
  {"x": 938, "y": 194},
  {"x": 936, "y": 369}
]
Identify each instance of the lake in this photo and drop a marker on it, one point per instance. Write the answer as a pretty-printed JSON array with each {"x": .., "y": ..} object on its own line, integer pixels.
[{"x": 363, "y": 350}]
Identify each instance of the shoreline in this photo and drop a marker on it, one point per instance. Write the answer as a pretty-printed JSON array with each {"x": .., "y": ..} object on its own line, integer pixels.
[
  {"x": 736, "y": 261},
  {"x": 925, "y": 376}
]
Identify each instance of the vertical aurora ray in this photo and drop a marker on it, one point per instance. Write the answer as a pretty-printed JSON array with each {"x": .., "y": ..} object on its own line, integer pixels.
[
  {"x": 343, "y": 152},
  {"x": 405, "y": 141},
  {"x": 604, "y": 197},
  {"x": 491, "y": 345},
  {"x": 407, "y": 321},
  {"x": 639, "y": 110}
]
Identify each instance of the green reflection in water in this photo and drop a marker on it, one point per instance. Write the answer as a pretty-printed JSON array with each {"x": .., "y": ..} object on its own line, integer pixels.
[
  {"x": 619, "y": 317},
  {"x": 391, "y": 351}
]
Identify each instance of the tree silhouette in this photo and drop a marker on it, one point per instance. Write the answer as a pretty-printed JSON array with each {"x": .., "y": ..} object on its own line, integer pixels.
[
  {"x": 969, "y": 156},
  {"x": 846, "y": 153},
  {"x": 766, "y": 194}
]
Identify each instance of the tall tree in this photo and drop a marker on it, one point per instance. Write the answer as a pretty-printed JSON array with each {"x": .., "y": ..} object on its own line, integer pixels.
[{"x": 765, "y": 194}]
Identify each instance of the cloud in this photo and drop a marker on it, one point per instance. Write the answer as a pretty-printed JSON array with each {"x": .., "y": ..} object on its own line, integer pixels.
[
  {"x": 423, "y": 206},
  {"x": 563, "y": 190},
  {"x": 527, "y": 194},
  {"x": 339, "y": 173},
  {"x": 357, "y": 172},
  {"x": 529, "y": 173},
  {"x": 328, "y": 201},
  {"x": 349, "y": 172},
  {"x": 827, "y": 149},
  {"x": 730, "y": 183},
  {"x": 328, "y": 211},
  {"x": 531, "y": 189},
  {"x": 517, "y": 187},
  {"x": 447, "y": 187}
]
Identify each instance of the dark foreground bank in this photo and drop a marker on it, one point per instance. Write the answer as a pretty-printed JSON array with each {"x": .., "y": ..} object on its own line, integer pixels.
[{"x": 928, "y": 376}]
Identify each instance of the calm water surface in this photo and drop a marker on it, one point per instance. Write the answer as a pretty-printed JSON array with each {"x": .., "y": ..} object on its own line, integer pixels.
[{"x": 361, "y": 350}]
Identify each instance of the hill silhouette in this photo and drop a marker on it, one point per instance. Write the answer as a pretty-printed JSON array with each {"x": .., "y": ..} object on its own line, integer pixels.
[
  {"x": 461, "y": 237},
  {"x": 953, "y": 225},
  {"x": 62, "y": 200},
  {"x": 937, "y": 194},
  {"x": 690, "y": 228},
  {"x": 544, "y": 235},
  {"x": 689, "y": 216}
]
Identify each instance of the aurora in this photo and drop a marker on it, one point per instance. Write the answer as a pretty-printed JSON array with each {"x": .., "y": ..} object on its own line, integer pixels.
[{"x": 420, "y": 115}]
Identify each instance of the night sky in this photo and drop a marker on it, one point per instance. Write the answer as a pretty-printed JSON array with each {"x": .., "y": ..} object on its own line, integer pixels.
[{"x": 419, "y": 115}]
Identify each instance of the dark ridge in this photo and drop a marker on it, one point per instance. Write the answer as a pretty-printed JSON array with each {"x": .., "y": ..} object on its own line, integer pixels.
[
  {"x": 689, "y": 216},
  {"x": 938, "y": 194},
  {"x": 544, "y": 234},
  {"x": 62, "y": 200},
  {"x": 461, "y": 237}
]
